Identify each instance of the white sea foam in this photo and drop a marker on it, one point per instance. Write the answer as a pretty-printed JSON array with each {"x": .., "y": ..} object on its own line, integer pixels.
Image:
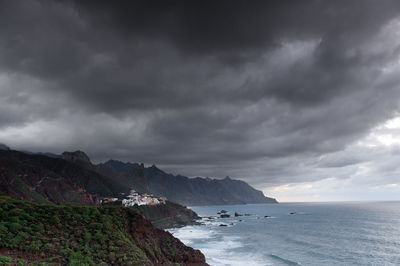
[
  {"x": 220, "y": 250},
  {"x": 189, "y": 234}
]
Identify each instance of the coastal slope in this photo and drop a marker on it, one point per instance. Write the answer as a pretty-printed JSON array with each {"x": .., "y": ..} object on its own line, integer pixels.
[
  {"x": 33, "y": 233},
  {"x": 169, "y": 215}
]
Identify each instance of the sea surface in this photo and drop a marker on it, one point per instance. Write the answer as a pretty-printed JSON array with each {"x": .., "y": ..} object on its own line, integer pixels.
[{"x": 351, "y": 233}]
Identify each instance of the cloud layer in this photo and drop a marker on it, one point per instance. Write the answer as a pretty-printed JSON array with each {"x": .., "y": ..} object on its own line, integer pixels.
[{"x": 276, "y": 93}]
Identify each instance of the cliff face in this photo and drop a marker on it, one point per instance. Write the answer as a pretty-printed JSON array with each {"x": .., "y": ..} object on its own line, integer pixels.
[
  {"x": 168, "y": 215},
  {"x": 127, "y": 174},
  {"x": 44, "y": 179},
  {"x": 77, "y": 157},
  {"x": 74, "y": 179},
  {"x": 35, "y": 233},
  {"x": 202, "y": 191},
  {"x": 184, "y": 190}
]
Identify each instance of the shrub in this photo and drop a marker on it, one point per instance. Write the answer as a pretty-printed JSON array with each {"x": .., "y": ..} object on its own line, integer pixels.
[
  {"x": 3, "y": 229},
  {"x": 48, "y": 246},
  {"x": 55, "y": 220},
  {"x": 87, "y": 237},
  {"x": 14, "y": 227},
  {"x": 5, "y": 260},
  {"x": 77, "y": 259},
  {"x": 35, "y": 245}
]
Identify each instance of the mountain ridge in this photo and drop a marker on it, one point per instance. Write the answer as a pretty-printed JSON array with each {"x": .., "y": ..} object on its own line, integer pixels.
[
  {"x": 45, "y": 179},
  {"x": 86, "y": 181},
  {"x": 194, "y": 191}
]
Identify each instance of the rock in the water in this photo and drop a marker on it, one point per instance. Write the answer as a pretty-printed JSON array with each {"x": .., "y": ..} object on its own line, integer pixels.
[{"x": 224, "y": 215}]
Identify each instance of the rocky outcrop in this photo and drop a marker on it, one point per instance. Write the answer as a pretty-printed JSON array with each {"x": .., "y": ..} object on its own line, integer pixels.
[
  {"x": 76, "y": 157},
  {"x": 168, "y": 215},
  {"x": 127, "y": 174}
]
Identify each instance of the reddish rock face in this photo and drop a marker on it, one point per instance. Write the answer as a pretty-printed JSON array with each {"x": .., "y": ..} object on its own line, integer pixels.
[{"x": 172, "y": 249}]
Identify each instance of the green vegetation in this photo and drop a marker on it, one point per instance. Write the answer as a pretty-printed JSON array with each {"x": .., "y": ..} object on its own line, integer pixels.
[
  {"x": 64, "y": 234},
  {"x": 10, "y": 261}
]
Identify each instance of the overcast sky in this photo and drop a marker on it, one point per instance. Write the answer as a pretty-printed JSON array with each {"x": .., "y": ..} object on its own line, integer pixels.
[{"x": 298, "y": 98}]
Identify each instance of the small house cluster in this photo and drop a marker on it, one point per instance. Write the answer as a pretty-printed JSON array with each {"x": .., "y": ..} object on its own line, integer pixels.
[{"x": 135, "y": 198}]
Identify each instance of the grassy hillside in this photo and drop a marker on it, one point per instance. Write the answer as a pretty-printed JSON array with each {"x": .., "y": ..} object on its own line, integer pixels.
[{"x": 36, "y": 233}]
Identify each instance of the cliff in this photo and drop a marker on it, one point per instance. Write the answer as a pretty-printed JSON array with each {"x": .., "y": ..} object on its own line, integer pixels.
[
  {"x": 202, "y": 191},
  {"x": 127, "y": 174},
  {"x": 72, "y": 178},
  {"x": 168, "y": 215},
  {"x": 185, "y": 190},
  {"x": 32, "y": 233},
  {"x": 44, "y": 179},
  {"x": 75, "y": 180}
]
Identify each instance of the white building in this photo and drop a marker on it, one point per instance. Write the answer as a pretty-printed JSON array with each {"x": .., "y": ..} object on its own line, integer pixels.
[{"x": 135, "y": 198}]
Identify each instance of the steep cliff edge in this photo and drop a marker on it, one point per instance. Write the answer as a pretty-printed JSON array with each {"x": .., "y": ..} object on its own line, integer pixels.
[
  {"x": 33, "y": 233},
  {"x": 168, "y": 215},
  {"x": 202, "y": 191}
]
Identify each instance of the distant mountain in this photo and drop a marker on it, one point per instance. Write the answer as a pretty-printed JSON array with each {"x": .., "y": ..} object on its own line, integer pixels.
[
  {"x": 4, "y": 147},
  {"x": 45, "y": 179},
  {"x": 128, "y": 174},
  {"x": 78, "y": 157},
  {"x": 202, "y": 191},
  {"x": 185, "y": 190},
  {"x": 120, "y": 167},
  {"x": 48, "y": 154},
  {"x": 72, "y": 178}
]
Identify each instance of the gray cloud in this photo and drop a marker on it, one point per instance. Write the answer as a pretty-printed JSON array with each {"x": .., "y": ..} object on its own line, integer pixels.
[{"x": 257, "y": 91}]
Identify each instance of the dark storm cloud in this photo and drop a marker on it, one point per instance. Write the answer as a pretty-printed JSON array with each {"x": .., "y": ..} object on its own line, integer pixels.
[{"x": 255, "y": 90}]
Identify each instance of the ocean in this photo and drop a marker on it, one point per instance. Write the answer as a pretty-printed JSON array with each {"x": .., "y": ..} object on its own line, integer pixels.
[{"x": 350, "y": 233}]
